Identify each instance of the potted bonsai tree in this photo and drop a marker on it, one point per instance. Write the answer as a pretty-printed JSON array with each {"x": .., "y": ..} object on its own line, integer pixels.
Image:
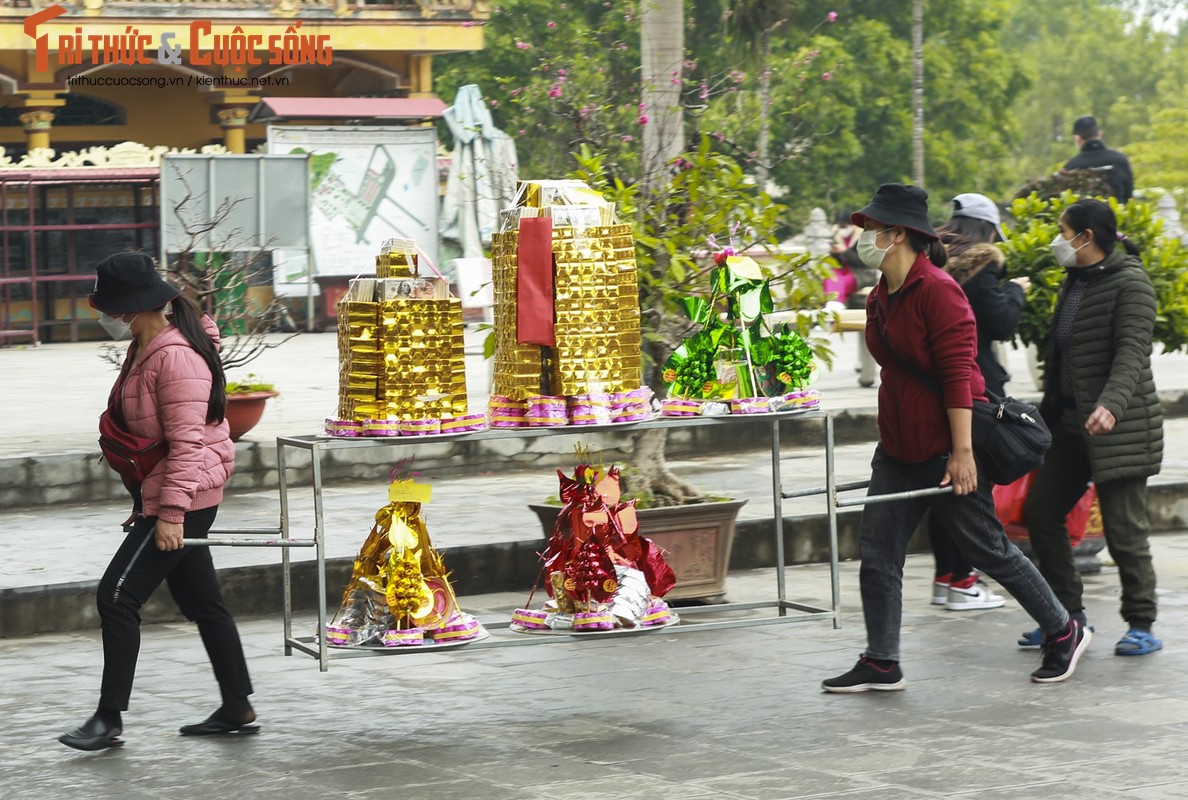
[{"x": 220, "y": 280}]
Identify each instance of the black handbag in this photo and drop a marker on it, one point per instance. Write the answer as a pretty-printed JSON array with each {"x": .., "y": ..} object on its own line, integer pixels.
[{"x": 1010, "y": 437}]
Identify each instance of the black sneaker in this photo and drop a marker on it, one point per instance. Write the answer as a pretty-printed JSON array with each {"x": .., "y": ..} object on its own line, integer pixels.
[
  {"x": 1061, "y": 653},
  {"x": 868, "y": 676}
]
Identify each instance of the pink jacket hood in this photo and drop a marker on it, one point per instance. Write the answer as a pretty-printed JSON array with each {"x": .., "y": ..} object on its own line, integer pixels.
[{"x": 166, "y": 395}]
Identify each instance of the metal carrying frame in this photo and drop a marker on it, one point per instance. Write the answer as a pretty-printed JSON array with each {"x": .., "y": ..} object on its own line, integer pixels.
[{"x": 318, "y": 445}]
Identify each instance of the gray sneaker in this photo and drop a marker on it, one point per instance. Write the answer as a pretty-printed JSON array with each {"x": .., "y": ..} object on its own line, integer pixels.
[{"x": 974, "y": 598}]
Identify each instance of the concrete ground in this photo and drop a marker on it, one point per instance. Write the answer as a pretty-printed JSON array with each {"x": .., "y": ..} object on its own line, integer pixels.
[
  {"x": 733, "y": 713},
  {"x": 728, "y": 713}
]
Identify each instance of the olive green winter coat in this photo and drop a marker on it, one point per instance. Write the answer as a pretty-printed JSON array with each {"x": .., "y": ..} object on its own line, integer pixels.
[{"x": 1111, "y": 353}]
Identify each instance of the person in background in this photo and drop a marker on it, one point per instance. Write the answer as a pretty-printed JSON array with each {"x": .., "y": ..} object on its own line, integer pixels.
[
  {"x": 1105, "y": 417},
  {"x": 920, "y": 324},
  {"x": 841, "y": 282},
  {"x": 975, "y": 262},
  {"x": 170, "y": 388},
  {"x": 1094, "y": 155},
  {"x": 857, "y": 279}
]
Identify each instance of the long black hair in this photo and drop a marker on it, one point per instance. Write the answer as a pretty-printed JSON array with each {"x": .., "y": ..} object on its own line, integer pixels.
[
  {"x": 1090, "y": 214},
  {"x": 188, "y": 320},
  {"x": 923, "y": 243}
]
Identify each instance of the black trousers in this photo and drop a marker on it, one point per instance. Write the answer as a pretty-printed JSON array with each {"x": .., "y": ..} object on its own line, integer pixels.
[
  {"x": 886, "y": 528},
  {"x": 134, "y": 573},
  {"x": 1058, "y": 486}
]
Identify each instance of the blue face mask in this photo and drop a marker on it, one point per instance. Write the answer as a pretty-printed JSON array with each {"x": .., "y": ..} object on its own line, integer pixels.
[{"x": 116, "y": 328}]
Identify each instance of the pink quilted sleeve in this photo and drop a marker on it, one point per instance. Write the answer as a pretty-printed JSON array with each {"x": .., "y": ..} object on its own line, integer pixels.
[{"x": 183, "y": 394}]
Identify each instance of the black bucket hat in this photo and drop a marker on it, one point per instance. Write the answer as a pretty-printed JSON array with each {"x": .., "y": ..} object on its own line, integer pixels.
[
  {"x": 128, "y": 282},
  {"x": 897, "y": 205}
]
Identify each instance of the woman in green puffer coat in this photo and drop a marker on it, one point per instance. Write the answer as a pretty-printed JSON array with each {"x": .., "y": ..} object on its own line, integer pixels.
[{"x": 1105, "y": 417}]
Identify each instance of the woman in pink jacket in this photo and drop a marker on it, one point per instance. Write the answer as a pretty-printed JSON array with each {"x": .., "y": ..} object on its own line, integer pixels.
[{"x": 170, "y": 388}]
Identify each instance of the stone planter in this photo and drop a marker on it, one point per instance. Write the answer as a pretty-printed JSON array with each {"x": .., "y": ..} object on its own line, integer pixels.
[
  {"x": 244, "y": 411},
  {"x": 697, "y": 540}
]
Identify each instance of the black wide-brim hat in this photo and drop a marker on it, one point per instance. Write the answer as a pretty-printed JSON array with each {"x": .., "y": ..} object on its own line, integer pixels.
[
  {"x": 897, "y": 205},
  {"x": 129, "y": 282}
]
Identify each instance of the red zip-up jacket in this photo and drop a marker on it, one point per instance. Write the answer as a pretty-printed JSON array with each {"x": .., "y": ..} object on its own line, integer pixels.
[{"x": 927, "y": 323}]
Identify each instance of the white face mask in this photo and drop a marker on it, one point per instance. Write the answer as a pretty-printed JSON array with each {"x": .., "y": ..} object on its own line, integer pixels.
[
  {"x": 116, "y": 328},
  {"x": 869, "y": 251},
  {"x": 1066, "y": 254}
]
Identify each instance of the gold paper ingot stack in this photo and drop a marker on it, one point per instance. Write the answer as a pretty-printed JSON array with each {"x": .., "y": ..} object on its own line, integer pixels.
[
  {"x": 397, "y": 259},
  {"x": 359, "y": 361},
  {"x": 597, "y": 312},
  {"x": 399, "y": 358}
]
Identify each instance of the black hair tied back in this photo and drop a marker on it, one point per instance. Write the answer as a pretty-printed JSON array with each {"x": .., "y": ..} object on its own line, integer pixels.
[{"x": 188, "y": 320}]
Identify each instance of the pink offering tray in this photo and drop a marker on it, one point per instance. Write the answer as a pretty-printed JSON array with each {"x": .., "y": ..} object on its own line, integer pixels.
[
  {"x": 340, "y": 636},
  {"x": 409, "y": 637},
  {"x": 344, "y": 427},
  {"x": 529, "y": 619},
  {"x": 545, "y": 411},
  {"x": 381, "y": 427},
  {"x": 749, "y": 405},
  {"x": 657, "y": 614},
  {"x": 464, "y": 423},
  {"x": 677, "y": 407},
  {"x": 807, "y": 398},
  {"x": 593, "y": 621},
  {"x": 506, "y": 413},
  {"x": 420, "y": 427},
  {"x": 590, "y": 409},
  {"x": 632, "y": 406},
  {"x": 460, "y": 627}
]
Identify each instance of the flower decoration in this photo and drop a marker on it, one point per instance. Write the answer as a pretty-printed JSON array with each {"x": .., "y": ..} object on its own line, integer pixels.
[{"x": 735, "y": 353}]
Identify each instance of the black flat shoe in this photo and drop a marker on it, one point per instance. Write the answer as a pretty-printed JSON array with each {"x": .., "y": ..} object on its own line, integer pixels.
[
  {"x": 216, "y": 727},
  {"x": 94, "y": 734}
]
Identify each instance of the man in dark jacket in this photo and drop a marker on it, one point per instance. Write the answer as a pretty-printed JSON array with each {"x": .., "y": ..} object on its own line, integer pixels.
[{"x": 1094, "y": 155}]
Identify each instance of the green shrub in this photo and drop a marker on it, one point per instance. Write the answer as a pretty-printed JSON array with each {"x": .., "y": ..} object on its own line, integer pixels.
[{"x": 1028, "y": 254}]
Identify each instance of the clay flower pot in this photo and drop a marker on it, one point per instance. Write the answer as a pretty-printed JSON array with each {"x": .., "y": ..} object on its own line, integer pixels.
[{"x": 245, "y": 410}]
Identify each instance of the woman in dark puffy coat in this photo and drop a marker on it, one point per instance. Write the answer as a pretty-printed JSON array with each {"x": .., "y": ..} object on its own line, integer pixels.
[
  {"x": 975, "y": 262},
  {"x": 1106, "y": 419}
]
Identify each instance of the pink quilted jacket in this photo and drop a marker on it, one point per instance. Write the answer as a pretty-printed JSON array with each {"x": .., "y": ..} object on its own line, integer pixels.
[{"x": 166, "y": 395}]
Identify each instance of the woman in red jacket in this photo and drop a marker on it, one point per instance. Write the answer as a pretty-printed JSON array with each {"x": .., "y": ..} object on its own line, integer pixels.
[
  {"x": 922, "y": 333},
  {"x": 170, "y": 388}
]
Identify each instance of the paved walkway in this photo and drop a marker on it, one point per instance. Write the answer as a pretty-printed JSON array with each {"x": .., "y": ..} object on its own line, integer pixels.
[
  {"x": 730, "y": 714},
  {"x": 60, "y": 389}
]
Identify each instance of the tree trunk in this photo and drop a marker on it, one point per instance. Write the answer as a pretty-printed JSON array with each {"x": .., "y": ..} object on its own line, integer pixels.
[
  {"x": 764, "y": 148},
  {"x": 662, "y": 46},
  {"x": 918, "y": 92},
  {"x": 653, "y": 476}
]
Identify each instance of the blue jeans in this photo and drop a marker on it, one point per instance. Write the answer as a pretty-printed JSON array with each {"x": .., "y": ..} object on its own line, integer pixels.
[{"x": 887, "y": 527}]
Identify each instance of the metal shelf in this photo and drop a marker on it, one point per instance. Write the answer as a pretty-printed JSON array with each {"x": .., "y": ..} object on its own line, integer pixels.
[{"x": 780, "y": 605}]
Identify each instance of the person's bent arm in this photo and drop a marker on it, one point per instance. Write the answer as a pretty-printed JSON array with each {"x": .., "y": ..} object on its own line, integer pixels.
[{"x": 962, "y": 470}]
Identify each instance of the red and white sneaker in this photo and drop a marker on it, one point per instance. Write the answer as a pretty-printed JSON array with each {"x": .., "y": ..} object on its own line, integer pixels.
[
  {"x": 940, "y": 589},
  {"x": 971, "y": 594}
]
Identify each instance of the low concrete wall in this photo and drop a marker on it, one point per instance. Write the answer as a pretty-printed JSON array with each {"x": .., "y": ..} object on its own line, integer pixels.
[
  {"x": 82, "y": 478},
  {"x": 476, "y": 569}
]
